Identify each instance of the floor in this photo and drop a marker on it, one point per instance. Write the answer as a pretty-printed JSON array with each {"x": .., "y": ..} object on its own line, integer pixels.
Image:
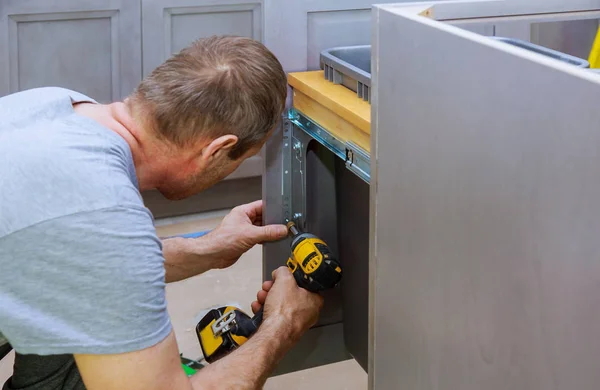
[{"x": 187, "y": 300}]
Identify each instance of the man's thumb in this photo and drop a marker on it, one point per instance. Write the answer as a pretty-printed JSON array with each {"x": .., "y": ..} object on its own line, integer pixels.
[{"x": 271, "y": 232}]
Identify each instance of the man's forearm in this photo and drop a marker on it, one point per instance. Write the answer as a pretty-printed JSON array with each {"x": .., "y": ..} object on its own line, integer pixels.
[
  {"x": 248, "y": 367},
  {"x": 186, "y": 257}
]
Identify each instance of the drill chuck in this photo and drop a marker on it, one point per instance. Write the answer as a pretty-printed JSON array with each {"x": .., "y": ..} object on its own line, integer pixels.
[{"x": 293, "y": 229}]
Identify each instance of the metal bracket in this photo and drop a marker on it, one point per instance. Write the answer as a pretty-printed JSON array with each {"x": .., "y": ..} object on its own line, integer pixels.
[
  {"x": 295, "y": 145},
  {"x": 286, "y": 182},
  {"x": 299, "y": 148}
]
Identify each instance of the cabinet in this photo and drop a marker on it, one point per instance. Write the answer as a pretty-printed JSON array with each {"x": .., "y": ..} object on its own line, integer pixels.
[
  {"x": 482, "y": 263},
  {"x": 297, "y": 31},
  {"x": 479, "y": 262},
  {"x": 92, "y": 46}
]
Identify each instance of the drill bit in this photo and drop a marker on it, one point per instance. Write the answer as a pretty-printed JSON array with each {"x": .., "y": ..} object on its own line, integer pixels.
[{"x": 293, "y": 229}]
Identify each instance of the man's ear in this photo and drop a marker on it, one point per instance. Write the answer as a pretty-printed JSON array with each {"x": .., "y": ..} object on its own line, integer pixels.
[{"x": 222, "y": 144}]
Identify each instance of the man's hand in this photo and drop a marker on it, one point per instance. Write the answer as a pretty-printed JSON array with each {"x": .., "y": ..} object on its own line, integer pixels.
[
  {"x": 289, "y": 312},
  {"x": 285, "y": 302},
  {"x": 239, "y": 231}
]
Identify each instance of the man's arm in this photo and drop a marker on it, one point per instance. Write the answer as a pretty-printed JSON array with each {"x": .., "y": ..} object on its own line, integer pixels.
[
  {"x": 250, "y": 365},
  {"x": 239, "y": 231},
  {"x": 289, "y": 311}
]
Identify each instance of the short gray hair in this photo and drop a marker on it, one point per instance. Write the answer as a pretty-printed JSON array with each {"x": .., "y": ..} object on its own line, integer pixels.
[{"x": 216, "y": 86}]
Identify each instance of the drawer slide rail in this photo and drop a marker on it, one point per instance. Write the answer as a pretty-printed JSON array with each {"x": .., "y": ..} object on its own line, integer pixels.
[{"x": 298, "y": 131}]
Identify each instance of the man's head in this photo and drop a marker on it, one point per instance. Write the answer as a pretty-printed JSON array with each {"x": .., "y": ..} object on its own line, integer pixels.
[{"x": 214, "y": 104}]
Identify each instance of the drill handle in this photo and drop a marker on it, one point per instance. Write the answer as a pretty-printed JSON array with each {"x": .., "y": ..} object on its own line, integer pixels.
[
  {"x": 245, "y": 325},
  {"x": 258, "y": 317}
]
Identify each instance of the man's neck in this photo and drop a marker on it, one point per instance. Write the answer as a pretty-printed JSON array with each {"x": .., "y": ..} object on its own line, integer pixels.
[{"x": 116, "y": 117}]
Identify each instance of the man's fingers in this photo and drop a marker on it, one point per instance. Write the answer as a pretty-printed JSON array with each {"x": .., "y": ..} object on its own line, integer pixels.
[
  {"x": 320, "y": 301},
  {"x": 255, "y": 306},
  {"x": 252, "y": 210},
  {"x": 257, "y": 204},
  {"x": 269, "y": 233},
  {"x": 282, "y": 272},
  {"x": 267, "y": 285},
  {"x": 261, "y": 296}
]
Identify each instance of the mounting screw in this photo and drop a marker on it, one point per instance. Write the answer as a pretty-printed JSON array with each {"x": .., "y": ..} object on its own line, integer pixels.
[
  {"x": 297, "y": 146},
  {"x": 297, "y": 216}
]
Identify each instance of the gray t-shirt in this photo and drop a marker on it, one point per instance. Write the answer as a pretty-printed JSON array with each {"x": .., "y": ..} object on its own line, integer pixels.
[{"x": 81, "y": 267}]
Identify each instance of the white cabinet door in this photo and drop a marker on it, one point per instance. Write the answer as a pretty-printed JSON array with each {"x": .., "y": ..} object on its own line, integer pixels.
[{"x": 91, "y": 46}]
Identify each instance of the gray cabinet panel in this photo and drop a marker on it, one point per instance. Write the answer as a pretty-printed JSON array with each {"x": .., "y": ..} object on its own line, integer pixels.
[
  {"x": 574, "y": 37},
  {"x": 485, "y": 213},
  {"x": 91, "y": 46},
  {"x": 187, "y": 26},
  {"x": 249, "y": 168},
  {"x": 169, "y": 26},
  {"x": 571, "y": 33},
  {"x": 519, "y": 29}
]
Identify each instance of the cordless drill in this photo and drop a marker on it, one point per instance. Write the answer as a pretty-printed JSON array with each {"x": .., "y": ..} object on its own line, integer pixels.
[{"x": 314, "y": 267}]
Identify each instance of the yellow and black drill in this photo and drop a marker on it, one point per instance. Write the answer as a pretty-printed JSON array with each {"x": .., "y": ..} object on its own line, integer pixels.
[{"x": 314, "y": 267}]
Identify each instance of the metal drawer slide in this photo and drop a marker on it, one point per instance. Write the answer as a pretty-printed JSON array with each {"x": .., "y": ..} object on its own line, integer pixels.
[{"x": 299, "y": 130}]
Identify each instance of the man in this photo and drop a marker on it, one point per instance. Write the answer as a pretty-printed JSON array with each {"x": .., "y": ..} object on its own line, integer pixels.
[{"x": 82, "y": 280}]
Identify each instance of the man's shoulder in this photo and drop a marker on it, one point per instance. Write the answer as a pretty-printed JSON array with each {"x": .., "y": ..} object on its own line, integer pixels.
[
  {"x": 43, "y": 93},
  {"x": 62, "y": 166},
  {"x": 37, "y": 103}
]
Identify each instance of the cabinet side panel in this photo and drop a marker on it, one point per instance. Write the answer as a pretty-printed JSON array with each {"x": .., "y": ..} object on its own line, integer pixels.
[
  {"x": 275, "y": 254},
  {"x": 487, "y": 208}
]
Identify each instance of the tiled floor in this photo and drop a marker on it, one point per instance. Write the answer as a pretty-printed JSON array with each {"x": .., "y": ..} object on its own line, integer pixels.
[{"x": 238, "y": 286}]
